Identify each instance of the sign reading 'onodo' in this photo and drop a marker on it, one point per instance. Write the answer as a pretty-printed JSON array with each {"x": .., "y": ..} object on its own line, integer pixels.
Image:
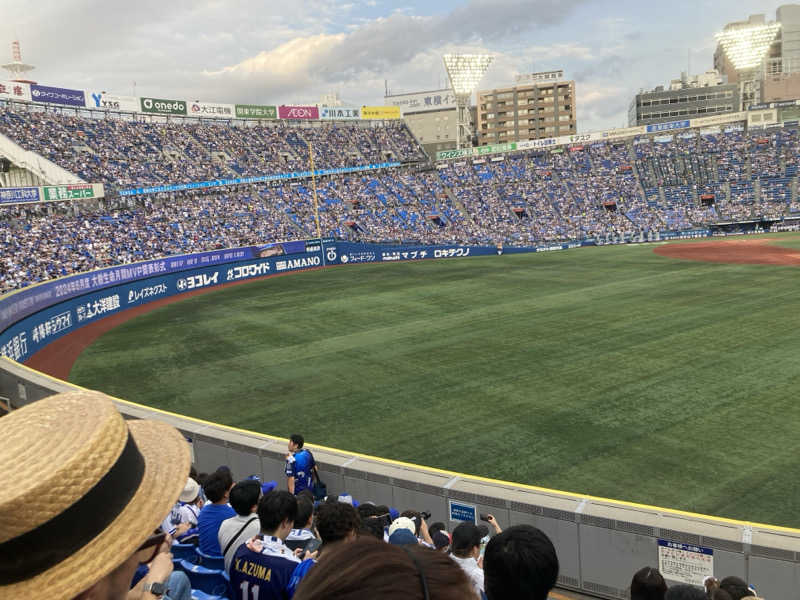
[{"x": 298, "y": 112}]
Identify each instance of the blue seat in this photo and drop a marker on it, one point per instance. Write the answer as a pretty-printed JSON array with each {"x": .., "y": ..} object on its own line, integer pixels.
[
  {"x": 186, "y": 551},
  {"x": 210, "y": 581},
  {"x": 209, "y": 561}
]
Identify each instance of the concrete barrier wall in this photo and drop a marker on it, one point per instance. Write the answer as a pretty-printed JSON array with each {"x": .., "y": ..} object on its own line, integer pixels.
[{"x": 600, "y": 542}]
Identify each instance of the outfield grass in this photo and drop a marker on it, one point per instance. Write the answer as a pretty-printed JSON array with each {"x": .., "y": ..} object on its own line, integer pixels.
[{"x": 609, "y": 371}]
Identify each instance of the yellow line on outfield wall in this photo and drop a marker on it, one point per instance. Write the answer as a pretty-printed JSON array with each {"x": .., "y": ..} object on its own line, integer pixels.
[{"x": 392, "y": 462}]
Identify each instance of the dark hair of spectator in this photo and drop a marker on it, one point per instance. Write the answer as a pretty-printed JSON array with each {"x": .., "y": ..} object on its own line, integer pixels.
[
  {"x": 306, "y": 493},
  {"x": 520, "y": 562},
  {"x": 217, "y": 484},
  {"x": 372, "y": 526},
  {"x": 367, "y": 568},
  {"x": 382, "y": 509},
  {"x": 736, "y": 587},
  {"x": 336, "y": 521},
  {"x": 465, "y": 537},
  {"x": 274, "y": 508},
  {"x": 683, "y": 591},
  {"x": 415, "y": 516},
  {"x": 305, "y": 508},
  {"x": 720, "y": 594},
  {"x": 297, "y": 440},
  {"x": 244, "y": 496},
  {"x": 648, "y": 584},
  {"x": 367, "y": 510},
  {"x": 438, "y": 526}
]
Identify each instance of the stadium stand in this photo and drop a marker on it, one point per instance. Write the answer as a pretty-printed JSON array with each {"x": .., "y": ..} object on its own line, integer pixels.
[{"x": 607, "y": 191}]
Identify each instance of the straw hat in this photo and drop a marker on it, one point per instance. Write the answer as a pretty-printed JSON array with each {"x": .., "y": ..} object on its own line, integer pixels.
[{"x": 78, "y": 494}]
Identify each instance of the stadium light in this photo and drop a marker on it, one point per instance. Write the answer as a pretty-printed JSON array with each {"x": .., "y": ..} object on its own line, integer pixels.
[
  {"x": 745, "y": 47},
  {"x": 465, "y": 72}
]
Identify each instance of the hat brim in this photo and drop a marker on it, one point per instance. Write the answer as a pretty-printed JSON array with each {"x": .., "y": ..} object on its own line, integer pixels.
[{"x": 167, "y": 461}]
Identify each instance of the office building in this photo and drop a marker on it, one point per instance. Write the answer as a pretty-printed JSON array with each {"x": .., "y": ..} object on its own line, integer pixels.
[{"x": 540, "y": 105}]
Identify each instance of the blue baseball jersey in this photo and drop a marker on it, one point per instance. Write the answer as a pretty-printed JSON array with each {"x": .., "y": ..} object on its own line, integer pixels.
[
  {"x": 299, "y": 466},
  {"x": 262, "y": 575}
]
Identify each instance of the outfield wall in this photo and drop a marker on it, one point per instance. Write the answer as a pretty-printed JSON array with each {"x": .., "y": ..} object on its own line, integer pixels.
[{"x": 600, "y": 542}]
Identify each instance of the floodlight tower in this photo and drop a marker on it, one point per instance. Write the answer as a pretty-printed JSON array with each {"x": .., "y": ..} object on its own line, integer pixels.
[
  {"x": 746, "y": 47},
  {"x": 465, "y": 72},
  {"x": 16, "y": 68}
]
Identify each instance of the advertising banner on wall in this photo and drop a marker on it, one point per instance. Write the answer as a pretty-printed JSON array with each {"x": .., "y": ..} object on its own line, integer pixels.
[
  {"x": 656, "y": 127},
  {"x": 380, "y": 112},
  {"x": 298, "y": 112},
  {"x": 340, "y": 113},
  {"x": 13, "y": 90},
  {"x": 719, "y": 119},
  {"x": 112, "y": 102},
  {"x": 256, "y": 111},
  {"x": 80, "y": 191},
  {"x": 163, "y": 107},
  {"x": 54, "y": 95},
  {"x": 422, "y": 101},
  {"x": 211, "y": 109},
  {"x": 623, "y": 132},
  {"x": 199, "y": 185},
  {"x": 19, "y": 195}
]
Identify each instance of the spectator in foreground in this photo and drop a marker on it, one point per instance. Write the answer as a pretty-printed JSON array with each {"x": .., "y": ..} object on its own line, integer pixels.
[
  {"x": 466, "y": 549},
  {"x": 302, "y": 532},
  {"x": 53, "y": 552},
  {"x": 217, "y": 488},
  {"x": 244, "y": 525},
  {"x": 181, "y": 523},
  {"x": 368, "y": 568},
  {"x": 520, "y": 562},
  {"x": 336, "y": 523},
  {"x": 648, "y": 584},
  {"x": 736, "y": 587},
  {"x": 265, "y": 564},
  {"x": 299, "y": 466},
  {"x": 683, "y": 591}
]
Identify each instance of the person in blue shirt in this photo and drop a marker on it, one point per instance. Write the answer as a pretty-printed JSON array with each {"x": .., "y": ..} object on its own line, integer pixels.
[
  {"x": 299, "y": 466},
  {"x": 262, "y": 568},
  {"x": 217, "y": 487}
]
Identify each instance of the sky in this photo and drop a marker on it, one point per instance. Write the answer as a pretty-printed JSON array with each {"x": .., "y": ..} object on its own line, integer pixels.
[{"x": 270, "y": 52}]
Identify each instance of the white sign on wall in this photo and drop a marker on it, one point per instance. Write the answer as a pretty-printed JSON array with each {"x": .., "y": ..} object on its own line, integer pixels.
[{"x": 422, "y": 101}]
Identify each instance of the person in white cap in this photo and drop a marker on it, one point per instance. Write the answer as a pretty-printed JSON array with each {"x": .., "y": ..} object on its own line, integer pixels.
[
  {"x": 82, "y": 492},
  {"x": 182, "y": 519}
]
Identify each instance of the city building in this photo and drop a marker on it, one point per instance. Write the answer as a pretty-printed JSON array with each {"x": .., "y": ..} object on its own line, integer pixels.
[
  {"x": 686, "y": 98},
  {"x": 762, "y": 57},
  {"x": 540, "y": 105},
  {"x": 431, "y": 117}
]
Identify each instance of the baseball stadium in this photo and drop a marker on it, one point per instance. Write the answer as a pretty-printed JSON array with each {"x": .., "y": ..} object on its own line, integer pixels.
[{"x": 591, "y": 333}]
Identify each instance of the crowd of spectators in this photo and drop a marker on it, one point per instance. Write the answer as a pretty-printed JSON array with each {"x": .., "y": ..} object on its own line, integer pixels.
[
  {"x": 121, "y": 152},
  {"x": 607, "y": 191},
  {"x": 284, "y": 545}
]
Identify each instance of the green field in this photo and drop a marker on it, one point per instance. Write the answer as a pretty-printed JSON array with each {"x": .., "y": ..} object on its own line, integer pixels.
[{"x": 609, "y": 371}]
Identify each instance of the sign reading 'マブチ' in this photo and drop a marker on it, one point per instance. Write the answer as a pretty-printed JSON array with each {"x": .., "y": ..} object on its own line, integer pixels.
[{"x": 163, "y": 107}]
